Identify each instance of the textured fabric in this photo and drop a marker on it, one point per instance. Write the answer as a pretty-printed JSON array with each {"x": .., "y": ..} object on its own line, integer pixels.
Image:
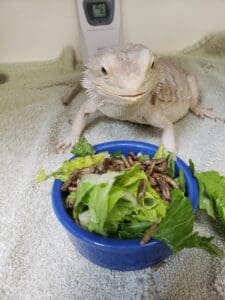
[{"x": 37, "y": 260}]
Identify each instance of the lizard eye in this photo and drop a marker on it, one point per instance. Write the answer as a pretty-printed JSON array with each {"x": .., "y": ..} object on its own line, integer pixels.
[{"x": 104, "y": 72}]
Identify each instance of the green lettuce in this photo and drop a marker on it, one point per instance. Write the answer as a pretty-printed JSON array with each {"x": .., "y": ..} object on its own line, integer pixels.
[
  {"x": 68, "y": 166},
  {"x": 181, "y": 180},
  {"x": 120, "y": 214},
  {"x": 116, "y": 155},
  {"x": 176, "y": 228},
  {"x": 111, "y": 200},
  {"x": 93, "y": 191},
  {"x": 212, "y": 193},
  {"x": 133, "y": 230},
  {"x": 143, "y": 157},
  {"x": 162, "y": 152},
  {"x": 205, "y": 202},
  {"x": 82, "y": 148}
]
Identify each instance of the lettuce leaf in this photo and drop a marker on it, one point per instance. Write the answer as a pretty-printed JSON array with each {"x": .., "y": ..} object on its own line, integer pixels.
[
  {"x": 120, "y": 213},
  {"x": 162, "y": 152},
  {"x": 205, "y": 202},
  {"x": 98, "y": 207},
  {"x": 93, "y": 191},
  {"x": 110, "y": 199},
  {"x": 82, "y": 148},
  {"x": 130, "y": 176},
  {"x": 176, "y": 228},
  {"x": 181, "y": 180},
  {"x": 133, "y": 230},
  {"x": 212, "y": 193},
  {"x": 202, "y": 242},
  {"x": 116, "y": 155},
  {"x": 68, "y": 166},
  {"x": 143, "y": 157}
]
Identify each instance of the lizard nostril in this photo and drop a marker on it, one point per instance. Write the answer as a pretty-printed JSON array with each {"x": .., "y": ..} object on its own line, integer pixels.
[{"x": 104, "y": 71}]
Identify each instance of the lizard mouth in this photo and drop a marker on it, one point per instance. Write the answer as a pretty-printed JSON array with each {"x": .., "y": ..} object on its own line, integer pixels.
[{"x": 132, "y": 96}]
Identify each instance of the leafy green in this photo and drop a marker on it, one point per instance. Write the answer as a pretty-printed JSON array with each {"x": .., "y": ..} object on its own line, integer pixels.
[
  {"x": 116, "y": 155},
  {"x": 176, "y": 228},
  {"x": 41, "y": 176},
  {"x": 194, "y": 240},
  {"x": 181, "y": 180},
  {"x": 205, "y": 202},
  {"x": 82, "y": 148},
  {"x": 171, "y": 165},
  {"x": 117, "y": 193},
  {"x": 162, "y": 152},
  {"x": 152, "y": 214},
  {"x": 98, "y": 207},
  {"x": 110, "y": 199},
  {"x": 192, "y": 166},
  {"x": 68, "y": 166},
  {"x": 120, "y": 213},
  {"x": 133, "y": 230},
  {"x": 212, "y": 193},
  {"x": 84, "y": 218},
  {"x": 143, "y": 157},
  {"x": 130, "y": 176},
  {"x": 93, "y": 191}
]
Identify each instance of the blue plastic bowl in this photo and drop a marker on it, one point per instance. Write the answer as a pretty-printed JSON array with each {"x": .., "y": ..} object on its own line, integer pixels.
[{"x": 115, "y": 254}]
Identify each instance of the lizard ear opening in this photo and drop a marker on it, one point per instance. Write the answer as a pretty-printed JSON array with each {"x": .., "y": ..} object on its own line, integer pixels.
[{"x": 152, "y": 65}]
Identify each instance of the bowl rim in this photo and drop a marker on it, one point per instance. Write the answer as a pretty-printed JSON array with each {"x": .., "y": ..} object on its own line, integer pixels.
[{"x": 106, "y": 242}]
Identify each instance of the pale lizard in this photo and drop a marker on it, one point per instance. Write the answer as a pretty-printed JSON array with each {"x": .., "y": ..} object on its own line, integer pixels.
[{"x": 134, "y": 84}]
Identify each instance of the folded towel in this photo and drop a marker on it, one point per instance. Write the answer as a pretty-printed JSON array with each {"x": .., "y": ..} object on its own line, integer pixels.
[{"x": 37, "y": 259}]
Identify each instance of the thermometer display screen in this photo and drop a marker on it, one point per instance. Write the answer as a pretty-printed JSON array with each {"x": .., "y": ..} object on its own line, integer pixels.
[{"x": 99, "y": 10}]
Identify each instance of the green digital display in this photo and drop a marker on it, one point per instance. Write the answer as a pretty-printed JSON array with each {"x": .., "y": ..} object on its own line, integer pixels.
[{"x": 99, "y": 10}]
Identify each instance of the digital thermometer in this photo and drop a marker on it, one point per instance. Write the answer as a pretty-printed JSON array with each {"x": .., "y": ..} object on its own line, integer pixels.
[{"x": 100, "y": 25}]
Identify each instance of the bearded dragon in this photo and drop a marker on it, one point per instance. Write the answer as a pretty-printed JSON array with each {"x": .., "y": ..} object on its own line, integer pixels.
[{"x": 134, "y": 84}]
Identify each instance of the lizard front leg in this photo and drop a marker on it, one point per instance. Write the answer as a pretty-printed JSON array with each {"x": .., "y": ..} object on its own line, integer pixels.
[
  {"x": 78, "y": 125},
  {"x": 168, "y": 137},
  {"x": 158, "y": 119},
  {"x": 195, "y": 107}
]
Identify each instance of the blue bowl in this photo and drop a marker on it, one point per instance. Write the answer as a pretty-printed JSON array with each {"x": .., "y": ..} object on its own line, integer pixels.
[{"x": 115, "y": 254}]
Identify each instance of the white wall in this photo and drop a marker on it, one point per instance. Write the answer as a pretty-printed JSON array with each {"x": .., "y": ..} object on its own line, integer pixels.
[{"x": 39, "y": 29}]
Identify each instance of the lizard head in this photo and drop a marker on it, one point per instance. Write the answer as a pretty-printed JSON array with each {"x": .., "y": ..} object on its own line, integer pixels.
[{"x": 122, "y": 75}]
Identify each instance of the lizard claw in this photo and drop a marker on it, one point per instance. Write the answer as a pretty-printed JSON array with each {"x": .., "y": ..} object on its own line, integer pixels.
[
  {"x": 204, "y": 112},
  {"x": 63, "y": 144}
]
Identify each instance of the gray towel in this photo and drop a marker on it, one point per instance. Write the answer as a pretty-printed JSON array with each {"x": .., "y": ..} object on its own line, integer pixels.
[{"x": 37, "y": 259}]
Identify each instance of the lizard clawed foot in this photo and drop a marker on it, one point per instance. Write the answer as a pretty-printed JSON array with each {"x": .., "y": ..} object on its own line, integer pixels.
[
  {"x": 206, "y": 112},
  {"x": 63, "y": 144}
]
